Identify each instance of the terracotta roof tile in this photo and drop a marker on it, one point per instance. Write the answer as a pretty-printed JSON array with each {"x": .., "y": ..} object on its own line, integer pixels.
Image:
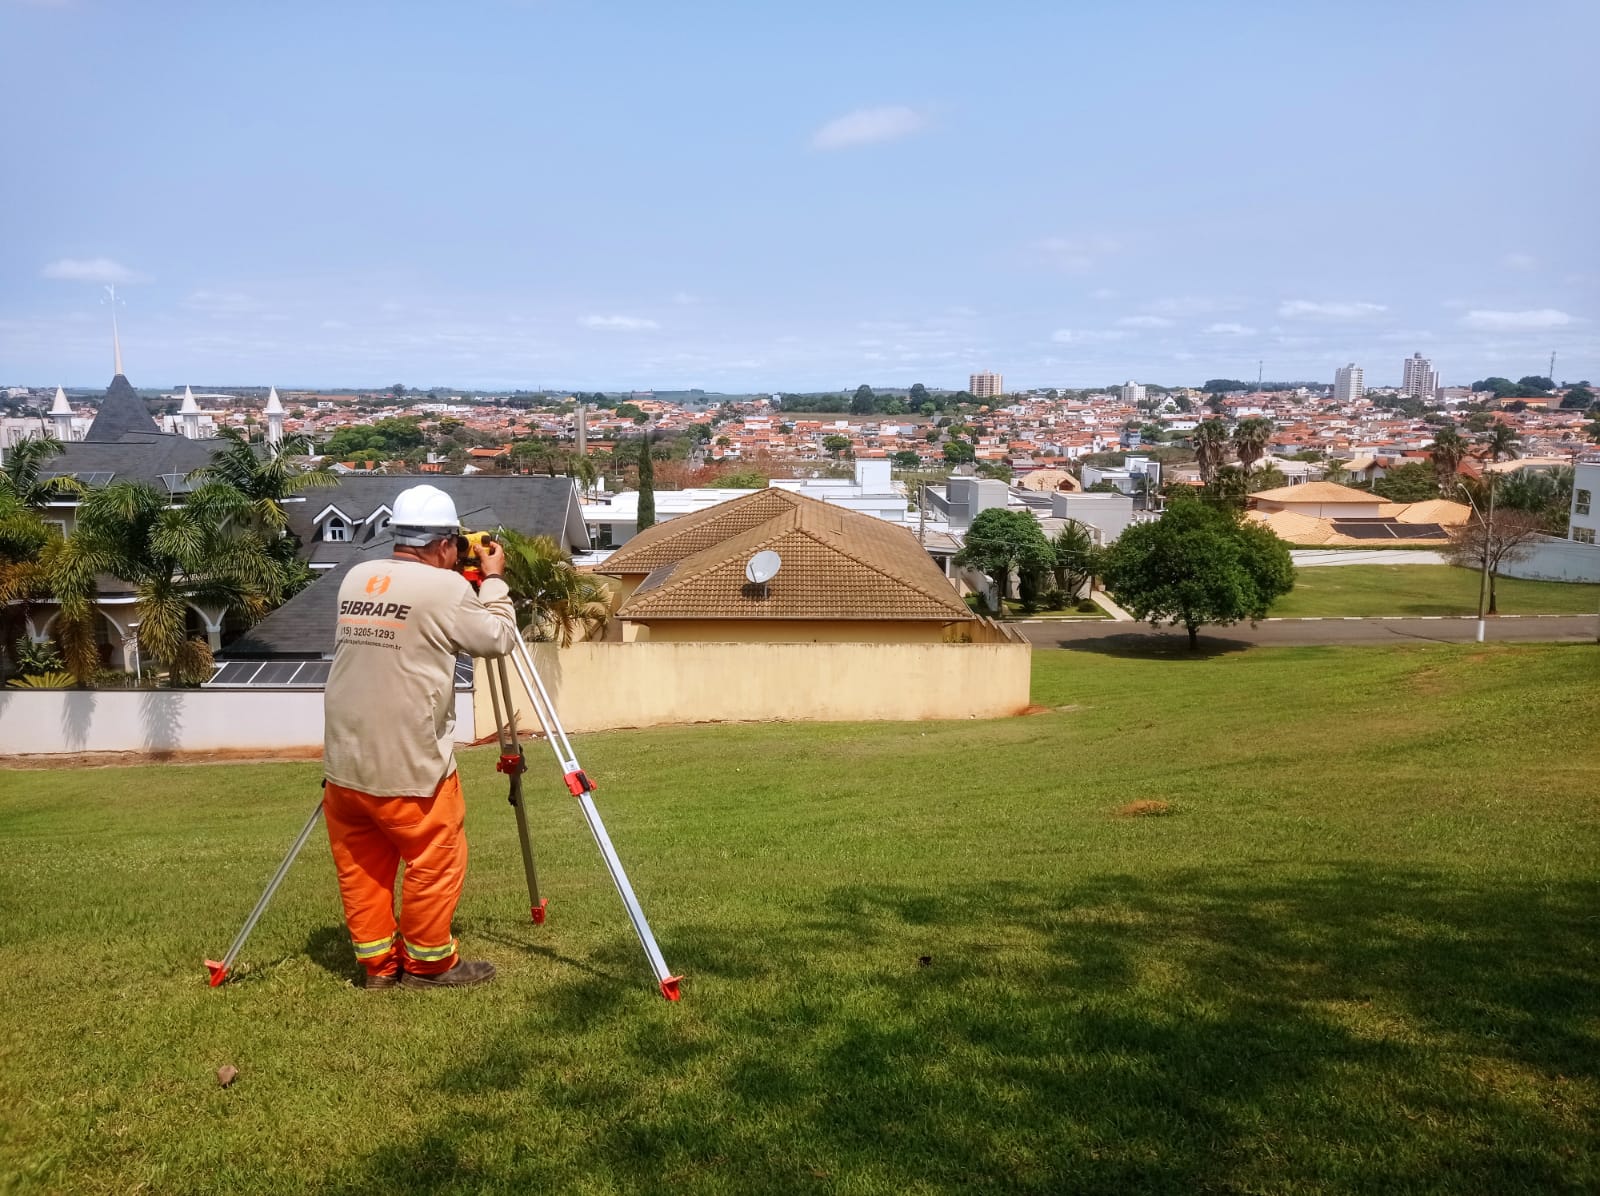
[
  {"x": 688, "y": 534},
  {"x": 837, "y": 564}
]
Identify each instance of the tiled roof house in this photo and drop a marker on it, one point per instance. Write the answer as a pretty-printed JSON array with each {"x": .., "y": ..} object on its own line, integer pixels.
[{"x": 845, "y": 577}]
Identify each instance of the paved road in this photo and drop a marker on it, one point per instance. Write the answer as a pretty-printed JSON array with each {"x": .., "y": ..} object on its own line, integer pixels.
[{"x": 1107, "y": 635}]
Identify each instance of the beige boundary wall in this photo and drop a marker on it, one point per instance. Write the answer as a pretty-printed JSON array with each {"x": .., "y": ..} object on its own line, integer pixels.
[
  {"x": 600, "y": 686},
  {"x": 175, "y": 721}
]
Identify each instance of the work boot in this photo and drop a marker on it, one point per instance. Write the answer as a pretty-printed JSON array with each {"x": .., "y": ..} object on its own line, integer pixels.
[
  {"x": 375, "y": 983},
  {"x": 476, "y": 971}
]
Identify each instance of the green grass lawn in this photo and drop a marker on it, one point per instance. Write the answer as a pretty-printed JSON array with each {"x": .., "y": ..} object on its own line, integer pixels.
[
  {"x": 1334, "y": 590},
  {"x": 1359, "y": 954}
]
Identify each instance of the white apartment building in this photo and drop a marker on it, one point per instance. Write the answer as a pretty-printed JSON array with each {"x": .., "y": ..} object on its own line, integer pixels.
[
  {"x": 985, "y": 385},
  {"x": 1421, "y": 380},
  {"x": 1347, "y": 384},
  {"x": 1132, "y": 393},
  {"x": 1585, "y": 522}
]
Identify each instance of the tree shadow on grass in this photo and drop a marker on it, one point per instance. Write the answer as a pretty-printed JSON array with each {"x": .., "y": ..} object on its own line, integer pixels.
[
  {"x": 1362, "y": 1029},
  {"x": 1149, "y": 644}
]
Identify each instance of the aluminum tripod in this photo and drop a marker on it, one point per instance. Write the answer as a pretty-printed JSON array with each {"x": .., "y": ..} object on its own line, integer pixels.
[{"x": 513, "y": 763}]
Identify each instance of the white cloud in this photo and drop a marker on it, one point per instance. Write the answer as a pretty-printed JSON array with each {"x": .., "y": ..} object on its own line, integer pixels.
[
  {"x": 1192, "y": 305},
  {"x": 90, "y": 269},
  {"x": 683, "y": 298},
  {"x": 1518, "y": 261},
  {"x": 1145, "y": 322},
  {"x": 1075, "y": 253},
  {"x": 1537, "y": 320},
  {"x": 867, "y": 126},
  {"x": 1079, "y": 336},
  {"x": 620, "y": 323},
  {"x": 1230, "y": 329},
  {"x": 1297, "y": 309}
]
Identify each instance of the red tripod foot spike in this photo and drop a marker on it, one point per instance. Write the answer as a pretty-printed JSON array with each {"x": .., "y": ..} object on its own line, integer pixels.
[
  {"x": 669, "y": 987},
  {"x": 538, "y": 911},
  {"x": 219, "y": 972}
]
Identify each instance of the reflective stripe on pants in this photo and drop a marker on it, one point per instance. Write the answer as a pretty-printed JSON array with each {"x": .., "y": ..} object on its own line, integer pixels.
[{"x": 370, "y": 836}]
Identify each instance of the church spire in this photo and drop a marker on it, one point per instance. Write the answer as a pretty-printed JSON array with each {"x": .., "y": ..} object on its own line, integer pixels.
[{"x": 116, "y": 340}]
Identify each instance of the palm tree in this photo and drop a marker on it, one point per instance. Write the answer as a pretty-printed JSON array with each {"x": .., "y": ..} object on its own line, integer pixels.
[
  {"x": 555, "y": 603},
  {"x": 19, "y": 476},
  {"x": 1335, "y": 472},
  {"x": 1449, "y": 449},
  {"x": 1250, "y": 439},
  {"x": 1210, "y": 441},
  {"x": 1502, "y": 441},
  {"x": 1075, "y": 557},
  {"x": 203, "y": 552},
  {"x": 579, "y": 467}
]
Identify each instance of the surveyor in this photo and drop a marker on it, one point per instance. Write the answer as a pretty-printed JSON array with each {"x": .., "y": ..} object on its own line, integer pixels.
[{"x": 391, "y": 791}]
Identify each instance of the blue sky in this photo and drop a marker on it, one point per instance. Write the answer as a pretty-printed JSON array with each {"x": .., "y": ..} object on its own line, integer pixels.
[{"x": 765, "y": 196}]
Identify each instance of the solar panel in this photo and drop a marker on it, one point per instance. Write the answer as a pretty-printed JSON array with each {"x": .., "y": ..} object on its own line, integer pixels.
[
  {"x": 313, "y": 672},
  {"x": 97, "y": 477},
  {"x": 463, "y": 672},
  {"x": 276, "y": 673},
  {"x": 236, "y": 672}
]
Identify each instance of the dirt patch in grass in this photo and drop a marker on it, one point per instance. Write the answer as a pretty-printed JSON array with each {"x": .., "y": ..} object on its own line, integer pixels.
[
  {"x": 124, "y": 759},
  {"x": 1148, "y": 808}
]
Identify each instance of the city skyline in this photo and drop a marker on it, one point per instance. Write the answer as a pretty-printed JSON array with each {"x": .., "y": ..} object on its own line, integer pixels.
[{"x": 558, "y": 197}]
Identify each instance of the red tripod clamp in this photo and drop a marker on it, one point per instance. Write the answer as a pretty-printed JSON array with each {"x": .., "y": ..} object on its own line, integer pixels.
[
  {"x": 512, "y": 764},
  {"x": 578, "y": 783}
]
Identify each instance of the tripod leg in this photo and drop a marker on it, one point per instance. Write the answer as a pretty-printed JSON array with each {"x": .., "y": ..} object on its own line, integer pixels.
[
  {"x": 514, "y": 764},
  {"x": 579, "y": 785},
  {"x": 219, "y": 968}
]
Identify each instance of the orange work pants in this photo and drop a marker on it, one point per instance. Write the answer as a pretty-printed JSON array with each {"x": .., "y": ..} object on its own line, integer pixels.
[{"x": 370, "y": 836}]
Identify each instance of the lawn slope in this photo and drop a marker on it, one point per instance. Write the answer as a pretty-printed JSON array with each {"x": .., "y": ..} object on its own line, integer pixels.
[
  {"x": 1359, "y": 954},
  {"x": 1375, "y": 590}
]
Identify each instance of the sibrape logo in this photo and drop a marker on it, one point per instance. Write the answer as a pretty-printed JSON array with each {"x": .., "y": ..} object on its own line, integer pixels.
[{"x": 378, "y": 585}]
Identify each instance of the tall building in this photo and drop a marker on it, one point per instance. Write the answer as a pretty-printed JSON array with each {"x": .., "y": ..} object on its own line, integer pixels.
[
  {"x": 1347, "y": 384},
  {"x": 1132, "y": 393},
  {"x": 985, "y": 385},
  {"x": 1421, "y": 382}
]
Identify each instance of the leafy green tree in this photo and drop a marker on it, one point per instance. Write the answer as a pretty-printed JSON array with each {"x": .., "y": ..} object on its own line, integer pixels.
[
  {"x": 1578, "y": 398},
  {"x": 554, "y": 602},
  {"x": 1000, "y": 541},
  {"x": 1102, "y": 487},
  {"x": 864, "y": 400},
  {"x": 1411, "y": 482},
  {"x": 835, "y": 443},
  {"x": 744, "y": 479},
  {"x": 700, "y": 432},
  {"x": 959, "y": 452},
  {"x": 1197, "y": 566},
  {"x": 1537, "y": 383},
  {"x": 1250, "y": 439},
  {"x": 997, "y": 470},
  {"x": 1270, "y": 478},
  {"x": 647, "y": 486},
  {"x": 917, "y": 397},
  {"x": 1221, "y": 386},
  {"x": 906, "y": 459}
]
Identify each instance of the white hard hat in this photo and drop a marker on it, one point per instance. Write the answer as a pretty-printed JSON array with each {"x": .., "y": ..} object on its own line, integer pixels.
[{"x": 423, "y": 514}]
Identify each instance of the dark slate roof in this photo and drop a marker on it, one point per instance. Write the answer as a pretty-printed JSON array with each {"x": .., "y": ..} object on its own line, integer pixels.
[
  {"x": 121, "y": 411},
  {"x": 304, "y": 625},
  {"x": 124, "y": 444},
  {"x": 534, "y": 506}
]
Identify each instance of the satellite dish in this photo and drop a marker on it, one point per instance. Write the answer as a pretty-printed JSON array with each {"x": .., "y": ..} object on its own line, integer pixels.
[{"x": 762, "y": 567}]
